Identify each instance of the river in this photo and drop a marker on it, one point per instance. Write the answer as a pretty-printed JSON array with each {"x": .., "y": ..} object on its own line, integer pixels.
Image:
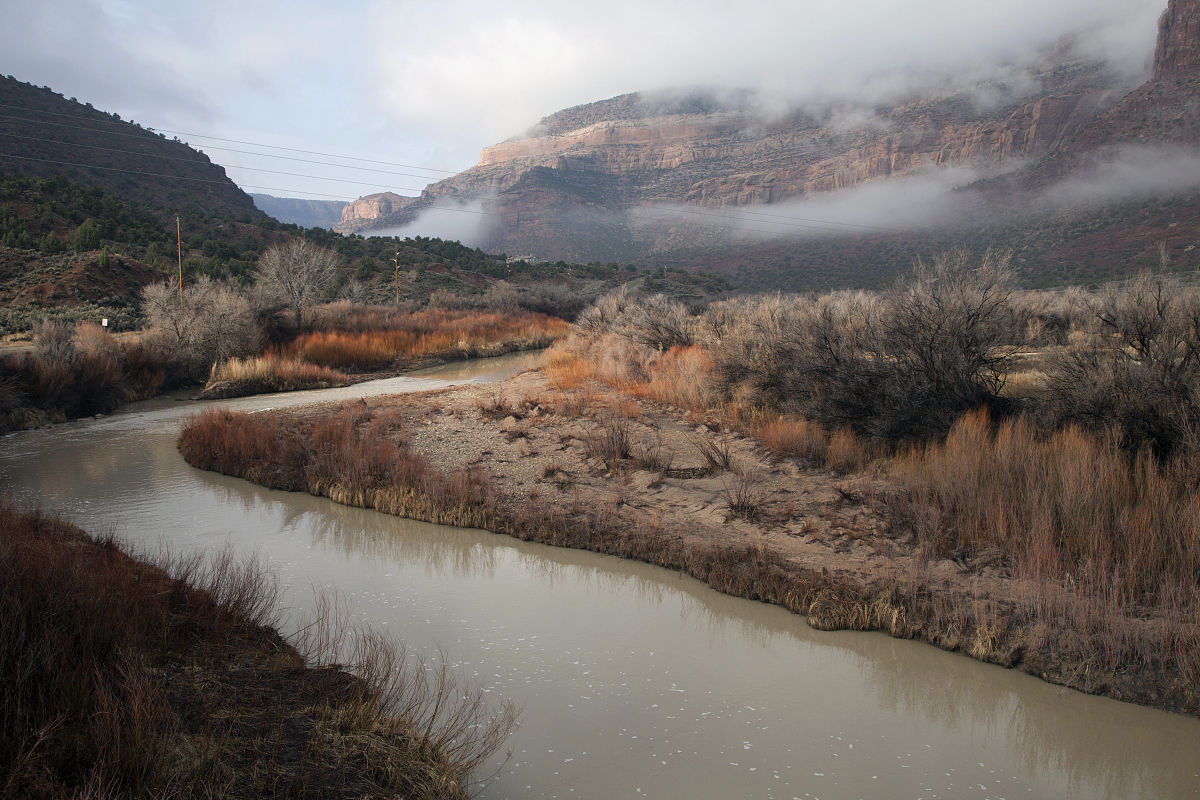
[{"x": 634, "y": 681}]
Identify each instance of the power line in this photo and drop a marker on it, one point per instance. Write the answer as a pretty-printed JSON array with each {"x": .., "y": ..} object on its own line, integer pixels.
[
  {"x": 194, "y": 161},
  {"x": 209, "y": 147},
  {"x": 209, "y": 180},
  {"x": 306, "y": 152},
  {"x": 219, "y": 139}
]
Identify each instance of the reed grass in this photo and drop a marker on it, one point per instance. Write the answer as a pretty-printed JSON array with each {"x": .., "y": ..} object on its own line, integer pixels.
[{"x": 1068, "y": 508}]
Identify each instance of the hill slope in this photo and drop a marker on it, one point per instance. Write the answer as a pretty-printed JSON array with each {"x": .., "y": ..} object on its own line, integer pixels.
[{"x": 43, "y": 134}]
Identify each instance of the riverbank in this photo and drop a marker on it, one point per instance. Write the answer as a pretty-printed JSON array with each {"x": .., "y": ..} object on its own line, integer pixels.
[
  {"x": 591, "y": 467},
  {"x": 269, "y": 376},
  {"x": 124, "y": 678}
]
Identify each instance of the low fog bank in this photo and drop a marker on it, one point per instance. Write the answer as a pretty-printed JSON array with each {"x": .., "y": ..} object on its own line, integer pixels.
[
  {"x": 938, "y": 198},
  {"x": 465, "y": 222},
  {"x": 1128, "y": 172}
]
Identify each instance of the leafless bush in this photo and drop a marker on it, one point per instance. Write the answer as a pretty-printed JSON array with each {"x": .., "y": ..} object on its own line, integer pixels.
[
  {"x": 651, "y": 454},
  {"x": 605, "y": 314},
  {"x": 656, "y": 321},
  {"x": 902, "y": 365},
  {"x": 53, "y": 340},
  {"x": 212, "y": 323},
  {"x": 744, "y": 497},
  {"x": 1048, "y": 317},
  {"x": 1140, "y": 371}
]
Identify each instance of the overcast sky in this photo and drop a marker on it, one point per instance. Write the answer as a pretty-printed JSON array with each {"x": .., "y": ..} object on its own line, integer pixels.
[{"x": 431, "y": 83}]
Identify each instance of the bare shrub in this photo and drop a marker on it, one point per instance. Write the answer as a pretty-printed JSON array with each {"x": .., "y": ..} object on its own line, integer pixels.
[
  {"x": 744, "y": 496},
  {"x": 1140, "y": 371},
  {"x": 53, "y": 340},
  {"x": 901, "y": 366},
  {"x": 213, "y": 323},
  {"x": 717, "y": 453},
  {"x": 652, "y": 455},
  {"x": 656, "y": 321},
  {"x": 605, "y": 314}
]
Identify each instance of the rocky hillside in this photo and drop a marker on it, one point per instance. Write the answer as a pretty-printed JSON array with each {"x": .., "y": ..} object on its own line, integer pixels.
[
  {"x": 45, "y": 135},
  {"x": 659, "y": 177}
]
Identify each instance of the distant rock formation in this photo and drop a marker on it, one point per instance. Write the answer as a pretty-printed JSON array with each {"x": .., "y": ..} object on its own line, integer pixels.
[
  {"x": 367, "y": 212},
  {"x": 639, "y": 176},
  {"x": 300, "y": 211}
]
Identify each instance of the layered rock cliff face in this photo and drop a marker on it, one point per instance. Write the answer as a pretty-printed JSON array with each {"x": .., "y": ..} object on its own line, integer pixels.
[
  {"x": 640, "y": 176},
  {"x": 367, "y": 210},
  {"x": 639, "y": 151},
  {"x": 1178, "y": 51},
  {"x": 1162, "y": 112}
]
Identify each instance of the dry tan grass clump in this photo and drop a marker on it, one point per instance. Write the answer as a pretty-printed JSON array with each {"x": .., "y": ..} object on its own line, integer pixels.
[{"x": 262, "y": 374}]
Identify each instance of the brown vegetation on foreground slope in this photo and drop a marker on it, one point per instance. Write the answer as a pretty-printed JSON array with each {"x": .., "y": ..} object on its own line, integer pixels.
[
  {"x": 125, "y": 679},
  {"x": 1030, "y": 541}
]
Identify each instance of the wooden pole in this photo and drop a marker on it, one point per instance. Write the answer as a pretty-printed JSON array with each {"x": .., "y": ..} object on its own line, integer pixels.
[
  {"x": 396, "y": 261},
  {"x": 179, "y": 253}
]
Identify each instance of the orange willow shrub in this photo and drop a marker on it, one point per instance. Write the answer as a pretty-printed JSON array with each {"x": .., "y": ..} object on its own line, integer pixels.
[
  {"x": 429, "y": 332},
  {"x": 1068, "y": 508},
  {"x": 680, "y": 376}
]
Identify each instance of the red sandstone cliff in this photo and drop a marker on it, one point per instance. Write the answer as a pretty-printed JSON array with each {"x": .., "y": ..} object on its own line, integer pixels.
[
  {"x": 371, "y": 208},
  {"x": 583, "y": 183},
  {"x": 1178, "y": 51}
]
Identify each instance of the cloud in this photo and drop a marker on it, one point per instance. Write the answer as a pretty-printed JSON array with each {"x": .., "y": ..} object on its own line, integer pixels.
[
  {"x": 500, "y": 67},
  {"x": 923, "y": 200},
  {"x": 1129, "y": 172},
  {"x": 432, "y": 84},
  {"x": 464, "y": 222}
]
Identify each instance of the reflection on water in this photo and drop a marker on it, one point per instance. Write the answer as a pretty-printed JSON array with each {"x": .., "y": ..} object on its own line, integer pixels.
[{"x": 635, "y": 681}]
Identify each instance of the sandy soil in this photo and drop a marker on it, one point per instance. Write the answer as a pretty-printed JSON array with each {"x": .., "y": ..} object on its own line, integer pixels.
[{"x": 532, "y": 441}]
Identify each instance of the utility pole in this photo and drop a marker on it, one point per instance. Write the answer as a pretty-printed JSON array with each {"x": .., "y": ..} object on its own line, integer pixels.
[
  {"x": 396, "y": 261},
  {"x": 179, "y": 253}
]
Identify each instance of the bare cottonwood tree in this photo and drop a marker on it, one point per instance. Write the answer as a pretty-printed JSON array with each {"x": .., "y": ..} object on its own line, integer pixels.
[
  {"x": 297, "y": 273},
  {"x": 212, "y": 323}
]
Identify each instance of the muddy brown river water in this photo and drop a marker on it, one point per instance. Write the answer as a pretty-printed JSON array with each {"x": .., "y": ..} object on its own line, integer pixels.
[{"x": 634, "y": 681}]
